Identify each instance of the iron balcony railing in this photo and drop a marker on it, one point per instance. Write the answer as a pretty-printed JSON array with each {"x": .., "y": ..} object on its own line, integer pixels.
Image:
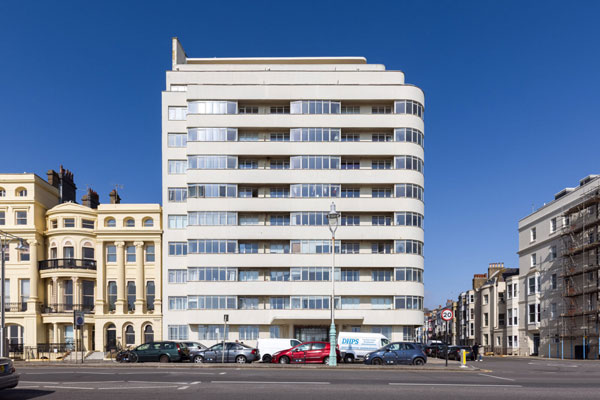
[
  {"x": 15, "y": 307},
  {"x": 66, "y": 308},
  {"x": 78, "y": 263}
]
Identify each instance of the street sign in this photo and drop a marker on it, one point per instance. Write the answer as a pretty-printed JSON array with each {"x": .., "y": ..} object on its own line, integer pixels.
[
  {"x": 79, "y": 318},
  {"x": 447, "y": 314}
]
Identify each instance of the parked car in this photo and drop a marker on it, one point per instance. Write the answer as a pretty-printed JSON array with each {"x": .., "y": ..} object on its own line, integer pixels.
[
  {"x": 268, "y": 347},
  {"x": 454, "y": 352},
  {"x": 354, "y": 345},
  {"x": 8, "y": 376},
  {"x": 234, "y": 352},
  {"x": 194, "y": 348},
  {"x": 397, "y": 353},
  {"x": 167, "y": 351},
  {"x": 310, "y": 352},
  {"x": 435, "y": 349}
]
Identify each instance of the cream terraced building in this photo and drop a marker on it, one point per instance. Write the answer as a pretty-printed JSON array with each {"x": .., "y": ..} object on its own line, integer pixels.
[{"x": 254, "y": 152}]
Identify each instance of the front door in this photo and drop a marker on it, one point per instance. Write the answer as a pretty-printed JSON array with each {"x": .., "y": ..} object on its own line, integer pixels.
[
  {"x": 536, "y": 344},
  {"x": 69, "y": 337},
  {"x": 111, "y": 338},
  {"x": 299, "y": 353}
]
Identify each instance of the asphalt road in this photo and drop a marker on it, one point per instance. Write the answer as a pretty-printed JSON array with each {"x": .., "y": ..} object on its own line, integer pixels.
[{"x": 509, "y": 378}]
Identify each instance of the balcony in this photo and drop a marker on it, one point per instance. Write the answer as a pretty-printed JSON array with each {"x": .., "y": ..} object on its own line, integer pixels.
[
  {"x": 15, "y": 307},
  {"x": 62, "y": 308},
  {"x": 67, "y": 263}
]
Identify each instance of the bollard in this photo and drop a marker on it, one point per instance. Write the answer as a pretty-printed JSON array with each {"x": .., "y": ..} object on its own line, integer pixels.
[{"x": 463, "y": 358}]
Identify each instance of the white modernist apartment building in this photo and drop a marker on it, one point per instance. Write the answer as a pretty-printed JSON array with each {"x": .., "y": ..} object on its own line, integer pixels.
[{"x": 254, "y": 151}]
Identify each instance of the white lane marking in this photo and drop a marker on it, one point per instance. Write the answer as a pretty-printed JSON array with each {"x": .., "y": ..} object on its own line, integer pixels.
[
  {"x": 49, "y": 383},
  {"x": 135, "y": 387},
  {"x": 450, "y": 384},
  {"x": 182, "y": 387},
  {"x": 498, "y": 377},
  {"x": 168, "y": 383},
  {"x": 28, "y": 387},
  {"x": 555, "y": 365},
  {"x": 68, "y": 387},
  {"x": 195, "y": 383},
  {"x": 273, "y": 382},
  {"x": 222, "y": 373},
  {"x": 72, "y": 372}
]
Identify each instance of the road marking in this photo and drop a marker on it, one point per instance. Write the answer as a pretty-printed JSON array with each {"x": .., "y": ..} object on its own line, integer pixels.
[
  {"x": 69, "y": 387},
  {"x": 273, "y": 382},
  {"x": 195, "y": 383},
  {"x": 182, "y": 387},
  {"x": 222, "y": 373},
  {"x": 498, "y": 377},
  {"x": 28, "y": 387},
  {"x": 450, "y": 384},
  {"x": 555, "y": 365},
  {"x": 68, "y": 371},
  {"x": 49, "y": 383},
  {"x": 172, "y": 383},
  {"x": 134, "y": 387}
]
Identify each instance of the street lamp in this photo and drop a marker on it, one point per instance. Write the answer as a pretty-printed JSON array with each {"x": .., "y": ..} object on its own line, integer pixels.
[
  {"x": 333, "y": 218},
  {"x": 5, "y": 239}
]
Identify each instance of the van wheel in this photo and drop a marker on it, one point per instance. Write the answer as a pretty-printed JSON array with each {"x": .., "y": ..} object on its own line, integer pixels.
[
  {"x": 349, "y": 358},
  {"x": 418, "y": 361},
  {"x": 164, "y": 358},
  {"x": 377, "y": 361},
  {"x": 267, "y": 358},
  {"x": 284, "y": 360}
]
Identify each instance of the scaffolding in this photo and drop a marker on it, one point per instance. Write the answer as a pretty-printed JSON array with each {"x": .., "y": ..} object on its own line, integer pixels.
[{"x": 580, "y": 262}]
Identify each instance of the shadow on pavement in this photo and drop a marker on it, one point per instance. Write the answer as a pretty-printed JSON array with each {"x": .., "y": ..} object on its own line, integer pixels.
[{"x": 23, "y": 394}]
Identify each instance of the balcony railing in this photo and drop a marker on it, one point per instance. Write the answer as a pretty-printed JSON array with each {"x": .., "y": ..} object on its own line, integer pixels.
[
  {"x": 68, "y": 263},
  {"x": 66, "y": 308},
  {"x": 15, "y": 307}
]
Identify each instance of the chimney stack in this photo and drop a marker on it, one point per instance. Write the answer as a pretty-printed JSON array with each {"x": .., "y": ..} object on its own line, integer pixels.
[
  {"x": 64, "y": 182},
  {"x": 90, "y": 199},
  {"x": 114, "y": 197},
  {"x": 479, "y": 280}
]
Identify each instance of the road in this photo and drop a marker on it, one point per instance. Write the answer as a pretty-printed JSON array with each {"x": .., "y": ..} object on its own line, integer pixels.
[{"x": 503, "y": 378}]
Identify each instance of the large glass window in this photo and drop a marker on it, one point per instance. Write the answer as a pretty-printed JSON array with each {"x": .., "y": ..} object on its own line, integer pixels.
[
  {"x": 409, "y": 302},
  {"x": 248, "y": 275},
  {"x": 409, "y": 135},
  {"x": 409, "y": 190},
  {"x": 212, "y": 107},
  {"x": 177, "y": 195},
  {"x": 350, "y": 192},
  {"x": 207, "y": 246},
  {"x": 309, "y": 218},
  {"x": 131, "y": 295},
  {"x": 211, "y": 190},
  {"x": 280, "y": 192},
  {"x": 409, "y": 274},
  {"x": 248, "y": 303},
  {"x": 409, "y": 247},
  {"x": 280, "y": 275},
  {"x": 130, "y": 254},
  {"x": 150, "y": 293},
  {"x": 381, "y": 247},
  {"x": 409, "y": 162},
  {"x": 177, "y": 140},
  {"x": 279, "y": 303},
  {"x": 350, "y": 164},
  {"x": 248, "y": 332},
  {"x": 112, "y": 294},
  {"x": 315, "y": 190},
  {"x": 212, "y": 135},
  {"x": 177, "y": 113},
  {"x": 177, "y": 303},
  {"x": 21, "y": 217},
  {"x": 279, "y": 248},
  {"x": 87, "y": 294},
  {"x": 178, "y": 248},
  {"x": 309, "y": 302},
  {"x": 212, "y": 274},
  {"x": 314, "y": 135},
  {"x": 212, "y": 302},
  {"x": 381, "y": 164},
  {"x": 313, "y": 246},
  {"x": 310, "y": 273},
  {"x": 177, "y": 221},
  {"x": 381, "y": 303},
  {"x": 212, "y": 218},
  {"x": 177, "y": 275},
  {"x": 248, "y": 247},
  {"x": 315, "y": 162},
  {"x": 178, "y": 332},
  {"x": 212, "y": 162},
  {"x": 177, "y": 167},
  {"x": 347, "y": 275},
  {"x": 350, "y": 220},
  {"x": 349, "y": 303},
  {"x": 381, "y": 275},
  {"x": 409, "y": 107},
  {"x": 315, "y": 107},
  {"x": 381, "y": 220},
  {"x": 409, "y": 219},
  {"x": 350, "y": 248},
  {"x": 150, "y": 256}
]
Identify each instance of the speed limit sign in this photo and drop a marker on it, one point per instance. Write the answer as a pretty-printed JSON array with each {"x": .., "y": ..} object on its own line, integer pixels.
[{"x": 447, "y": 314}]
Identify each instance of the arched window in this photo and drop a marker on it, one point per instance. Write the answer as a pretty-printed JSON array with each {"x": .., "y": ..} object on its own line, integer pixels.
[
  {"x": 129, "y": 223},
  {"x": 110, "y": 222},
  {"x": 2, "y": 192},
  {"x": 111, "y": 337},
  {"x": 21, "y": 192},
  {"x": 68, "y": 250},
  {"x": 148, "y": 334},
  {"x": 148, "y": 223},
  {"x": 129, "y": 336}
]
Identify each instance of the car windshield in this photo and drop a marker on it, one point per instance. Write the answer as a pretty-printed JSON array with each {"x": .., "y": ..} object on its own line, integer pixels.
[{"x": 385, "y": 342}]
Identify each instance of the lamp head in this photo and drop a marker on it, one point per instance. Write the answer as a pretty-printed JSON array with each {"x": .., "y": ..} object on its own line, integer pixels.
[
  {"x": 333, "y": 215},
  {"x": 22, "y": 246}
]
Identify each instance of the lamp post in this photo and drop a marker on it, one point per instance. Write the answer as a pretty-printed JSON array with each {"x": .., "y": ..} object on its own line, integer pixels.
[
  {"x": 333, "y": 218},
  {"x": 5, "y": 239}
]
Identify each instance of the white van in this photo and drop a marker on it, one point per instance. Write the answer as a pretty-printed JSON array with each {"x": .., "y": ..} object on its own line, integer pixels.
[
  {"x": 268, "y": 347},
  {"x": 354, "y": 345}
]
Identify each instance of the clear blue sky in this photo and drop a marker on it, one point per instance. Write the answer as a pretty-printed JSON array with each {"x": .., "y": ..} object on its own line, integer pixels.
[{"x": 512, "y": 104}]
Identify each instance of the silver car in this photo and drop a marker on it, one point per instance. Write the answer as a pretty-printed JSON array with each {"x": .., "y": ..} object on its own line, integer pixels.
[
  {"x": 234, "y": 352},
  {"x": 8, "y": 377}
]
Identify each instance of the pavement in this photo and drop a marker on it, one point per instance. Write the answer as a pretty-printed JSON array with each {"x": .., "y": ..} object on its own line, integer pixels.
[{"x": 494, "y": 378}]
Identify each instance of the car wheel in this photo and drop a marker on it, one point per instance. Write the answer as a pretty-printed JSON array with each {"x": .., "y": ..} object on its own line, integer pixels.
[
  {"x": 267, "y": 358},
  {"x": 377, "y": 361},
  {"x": 133, "y": 358},
  {"x": 164, "y": 358},
  {"x": 349, "y": 358},
  {"x": 418, "y": 361},
  {"x": 326, "y": 360},
  {"x": 241, "y": 360},
  {"x": 284, "y": 360},
  {"x": 198, "y": 359}
]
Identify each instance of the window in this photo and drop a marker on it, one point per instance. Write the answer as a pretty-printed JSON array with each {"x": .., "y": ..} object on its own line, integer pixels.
[
  {"x": 384, "y": 330},
  {"x": 177, "y": 113},
  {"x": 248, "y": 332},
  {"x": 279, "y": 248},
  {"x": 111, "y": 253},
  {"x": 553, "y": 225},
  {"x": 533, "y": 260},
  {"x": 279, "y": 137},
  {"x": 177, "y": 139},
  {"x": 177, "y": 221},
  {"x": 131, "y": 295},
  {"x": 274, "y": 332},
  {"x": 24, "y": 293},
  {"x": 486, "y": 299},
  {"x": 409, "y": 302},
  {"x": 21, "y": 217},
  {"x": 248, "y": 110},
  {"x": 21, "y": 192},
  {"x": 87, "y": 224},
  {"x": 350, "y": 220},
  {"x": 381, "y": 303},
  {"x": 350, "y": 110},
  {"x": 279, "y": 192},
  {"x": 178, "y": 248},
  {"x": 2, "y": 192},
  {"x": 347, "y": 275},
  {"x": 315, "y": 162},
  {"x": 409, "y": 274},
  {"x": 280, "y": 164},
  {"x": 248, "y": 164},
  {"x": 177, "y": 195},
  {"x": 381, "y": 220},
  {"x": 381, "y": 248},
  {"x": 150, "y": 293},
  {"x": 212, "y": 332},
  {"x": 148, "y": 222},
  {"x": 212, "y": 135},
  {"x": 177, "y": 88},
  {"x": 310, "y": 273},
  {"x": 409, "y": 247},
  {"x": 248, "y": 247},
  {"x": 112, "y": 294},
  {"x": 315, "y": 190},
  {"x": 532, "y": 313},
  {"x": 177, "y": 303},
  {"x": 248, "y": 192},
  {"x": 381, "y": 192},
  {"x": 280, "y": 276},
  {"x": 349, "y": 303},
  {"x": 408, "y": 334},
  {"x": 350, "y": 137},
  {"x": 88, "y": 253},
  {"x": 313, "y": 246},
  {"x": 212, "y": 162},
  {"x": 212, "y": 274},
  {"x": 381, "y": 164},
  {"x": 2, "y": 217},
  {"x": 532, "y": 286},
  {"x": 381, "y": 275},
  {"x": 409, "y": 163},
  {"x": 68, "y": 252},
  {"x": 350, "y": 193},
  {"x": 177, "y": 167},
  {"x": 350, "y": 164},
  {"x": 315, "y": 107},
  {"x": 148, "y": 334},
  {"x": 553, "y": 282},
  {"x": 486, "y": 319},
  {"x": 310, "y": 302},
  {"x": 410, "y": 135},
  {"x": 69, "y": 222},
  {"x": 248, "y": 275},
  {"x": 178, "y": 332},
  {"x": 409, "y": 107},
  {"x": 23, "y": 255},
  {"x": 501, "y": 319},
  {"x": 248, "y": 303},
  {"x": 314, "y": 135},
  {"x": 350, "y": 248},
  {"x": 150, "y": 257},
  {"x": 279, "y": 110},
  {"x": 381, "y": 137},
  {"x": 197, "y": 246},
  {"x": 129, "y": 223},
  {"x": 212, "y": 302},
  {"x": 409, "y": 219},
  {"x": 532, "y": 234},
  {"x": 212, "y": 107},
  {"x": 177, "y": 276},
  {"x": 409, "y": 190},
  {"x": 130, "y": 254},
  {"x": 309, "y": 218},
  {"x": 279, "y": 303},
  {"x": 212, "y": 190},
  {"x": 381, "y": 110},
  {"x": 553, "y": 253},
  {"x": 110, "y": 222}
]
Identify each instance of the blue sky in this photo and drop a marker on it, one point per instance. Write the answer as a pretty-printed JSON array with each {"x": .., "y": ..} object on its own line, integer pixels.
[{"x": 512, "y": 105}]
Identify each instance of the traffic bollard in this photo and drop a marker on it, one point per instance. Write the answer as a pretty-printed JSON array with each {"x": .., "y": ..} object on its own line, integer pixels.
[{"x": 463, "y": 359}]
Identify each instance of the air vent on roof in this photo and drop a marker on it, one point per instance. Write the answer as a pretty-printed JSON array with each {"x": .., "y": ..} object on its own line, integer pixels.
[
  {"x": 587, "y": 179},
  {"x": 562, "y": 193}
]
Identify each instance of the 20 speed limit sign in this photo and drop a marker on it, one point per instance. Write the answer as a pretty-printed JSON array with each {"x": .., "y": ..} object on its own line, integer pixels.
[{"x": 447, "y": 315}]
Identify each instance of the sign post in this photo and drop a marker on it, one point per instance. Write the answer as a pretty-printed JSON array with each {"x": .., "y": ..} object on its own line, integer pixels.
[
  {"x": 78, "y": 322},
  {"x": 447, "y": 316},
  {"x": 225, "y": 320}
]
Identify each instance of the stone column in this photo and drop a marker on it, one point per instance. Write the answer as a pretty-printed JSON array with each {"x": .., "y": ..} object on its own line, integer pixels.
[
  {"x": 158, "y": 280},
  {"x": 121, "y": 303},
  {"x": 34, "y": 274},
  {"x": 76, "y": 297},
  {"x": 54, "y": 300},
  {"x": 55, "y": 333},
  {"x": 140, "y": 296},
  {"x": 100, "y": 279}
]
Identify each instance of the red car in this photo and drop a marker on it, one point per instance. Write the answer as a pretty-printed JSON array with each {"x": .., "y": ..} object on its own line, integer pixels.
[{"x": 309, "y": 352}]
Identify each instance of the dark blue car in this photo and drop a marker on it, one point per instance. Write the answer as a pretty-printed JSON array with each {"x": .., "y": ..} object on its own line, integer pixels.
[{"x": 397, "y": 353}]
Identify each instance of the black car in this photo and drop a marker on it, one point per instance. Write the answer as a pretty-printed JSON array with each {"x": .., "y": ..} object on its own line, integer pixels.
[{"x": 454, "y": 353}]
